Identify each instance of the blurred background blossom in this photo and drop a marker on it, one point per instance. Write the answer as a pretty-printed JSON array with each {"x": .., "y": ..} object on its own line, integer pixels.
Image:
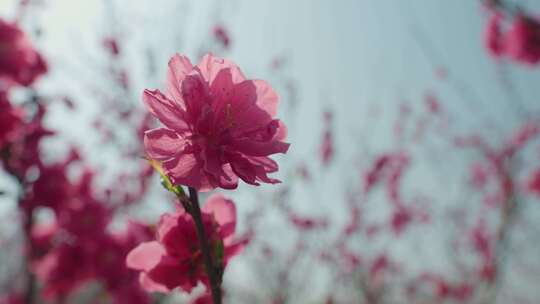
[{"x": 413, "y": 174}]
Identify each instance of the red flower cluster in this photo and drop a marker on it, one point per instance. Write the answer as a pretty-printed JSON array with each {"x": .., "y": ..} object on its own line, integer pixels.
[
  {"x": 77, "y": 246},
  {"x": 70, "y": 251},
  {"x": 20, "y": 63}
]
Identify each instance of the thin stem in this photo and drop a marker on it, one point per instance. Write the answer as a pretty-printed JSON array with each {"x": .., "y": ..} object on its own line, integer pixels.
[
  {"x": 28, "y": 221},
  {"x": 30, "y": 278},
  {"x": 211, "y": 271}
]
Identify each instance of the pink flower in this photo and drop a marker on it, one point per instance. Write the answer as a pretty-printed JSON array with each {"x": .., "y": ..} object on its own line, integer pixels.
[
  {"x": 19, "y": 62},
  {"x": 377, "y": 171},
  {"x": 222, "y": 36},
  {"x": 481, "y": 240},
  {"x": 175, "y": 260},
  {"x": 494, "y": 38},
  {"x": 218, "y": 125},
  {"x": 479, "y": 174},
  {"x": 111, "y": 45},
  {"x": 522, "y": 41},
  {"x": 432, "y": 103},
  {"x": 401, "y": 218},
  {"x": 52, "y": 189},
  {"x": 380, "y": 268},
  {"x": 327, "y": 148},
  {"x": 327, "y": 144},
  {"x": 401, "y": 163},
  {"x": 533, "y": 183},
  {"x": 353, "y": 223},
  {"x": 63, "y": 269},
  {"x": 82, "y": 216}
]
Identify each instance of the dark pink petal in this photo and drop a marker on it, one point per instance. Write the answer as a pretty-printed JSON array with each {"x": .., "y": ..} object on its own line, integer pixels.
[
  {"x": 253, "y": 148},
  {"x": 267, "y": 163},
  {"x": 252, "y": 105},
  {"x": 150, "y": 285},
  {"x": 494, "y": 38},
  {"x": 222, "y": 92},
  {"x": 186, "y": 170},
  {"x": 162, "y": 143},
  {"x": 522, "y": 40},
  {"x": 228, "y": 180},
  {"x": 261, "y": 142},
  {"x": 172, "y": 273},
  {"x": 167, "y": 222},
  {"x": 196, "y": 96},
  {"x": 170, "y": 114},
  {"x": 254, "y": 169},
  {"x": 244, "y": 169},
  {"x": 212, "y": 162}
]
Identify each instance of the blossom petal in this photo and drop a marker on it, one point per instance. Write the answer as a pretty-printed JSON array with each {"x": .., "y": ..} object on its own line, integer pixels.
[
  {"x": 267, "y": 98},
  {"x": 186, "y": 170},
  {"x": 210, "y": 66},
  {"x": 244, "y": 169},
  {"x": 150, "y": 285},
  {"x": 169, "y": 113},
  {"x": 145, "y": 256},
  {"x": 222, "y": 91},
  {"x": 254, "y": 148},
  {"x": 228, "y": 180},
  {"x": 167, "y": 222},
  {"x": 235, "y": 247},
  {"x": 224, "y": 212},
  {"x": 162, "y": 143},
  {"x": 195, "y": 93},
  {"x": 179, "y": 67},
  {"x": 171, "y": 273},
  {"x": 281, "y": 133},
  {"x": 254, "y": 103}
]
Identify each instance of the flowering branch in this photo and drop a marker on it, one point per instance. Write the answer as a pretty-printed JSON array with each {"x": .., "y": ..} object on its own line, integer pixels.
[
  {"x": 508, "y": 213},
  {"x": 219, "y": 128}
]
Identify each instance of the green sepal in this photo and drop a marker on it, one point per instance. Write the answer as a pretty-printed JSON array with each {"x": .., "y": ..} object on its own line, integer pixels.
[{"x": 165, "y": 180}]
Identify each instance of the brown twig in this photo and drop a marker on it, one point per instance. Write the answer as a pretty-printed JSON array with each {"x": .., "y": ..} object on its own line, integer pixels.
[
  {"x": 211, "y": 270},
  {"x": 30, "y": 288}
]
